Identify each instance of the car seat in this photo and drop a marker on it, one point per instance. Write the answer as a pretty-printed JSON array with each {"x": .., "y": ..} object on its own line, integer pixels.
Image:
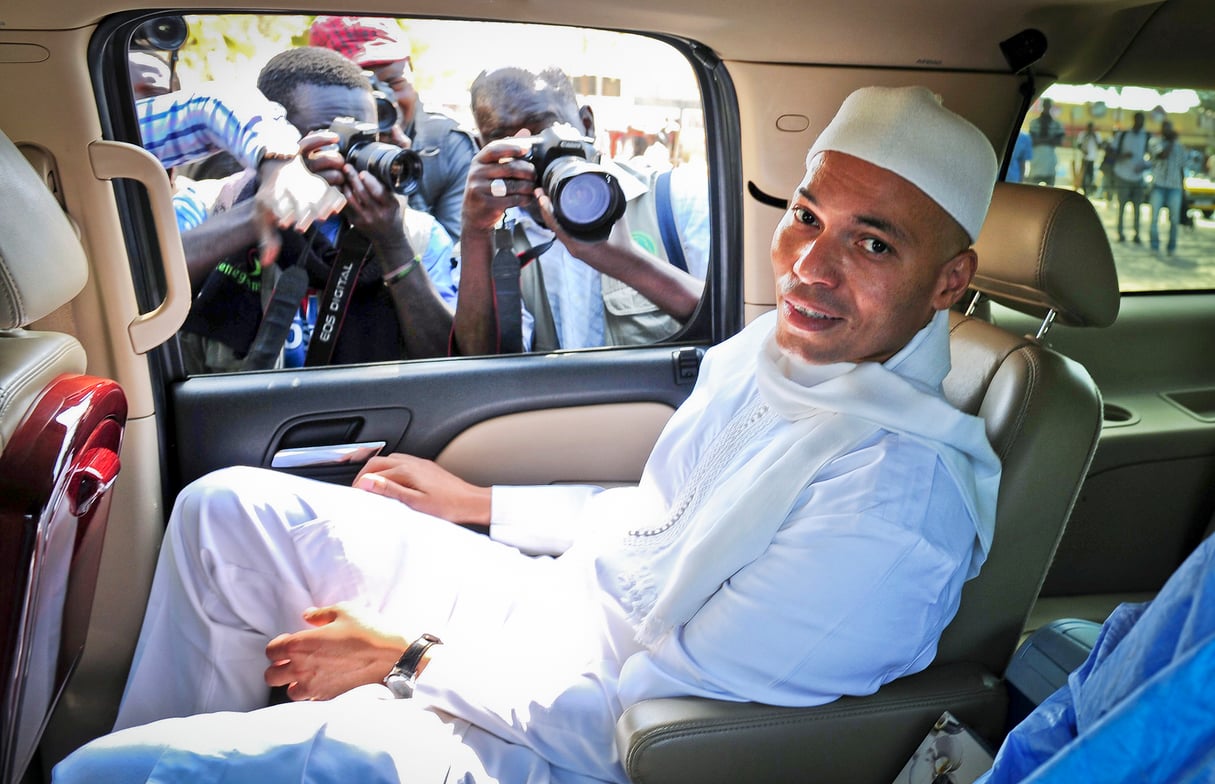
[
  {"x": 60, "y": 433},
  {"x": 1041, "y": 251}
]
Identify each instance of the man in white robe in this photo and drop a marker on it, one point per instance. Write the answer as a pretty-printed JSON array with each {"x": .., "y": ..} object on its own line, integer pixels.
[{"x": 802, "y": 530}]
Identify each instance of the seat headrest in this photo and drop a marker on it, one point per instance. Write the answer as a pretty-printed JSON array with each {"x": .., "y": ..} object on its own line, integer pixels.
[
  {"x": 42, "y": 264},
  {"x": 1044, "y": 249}
]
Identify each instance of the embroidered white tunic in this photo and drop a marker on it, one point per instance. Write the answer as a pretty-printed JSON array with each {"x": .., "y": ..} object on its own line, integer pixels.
[{"x": 848, "y": 588}]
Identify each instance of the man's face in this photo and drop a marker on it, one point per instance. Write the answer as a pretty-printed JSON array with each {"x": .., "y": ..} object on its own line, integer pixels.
[
  {"x": 534, "y": 112},
  {"x": 1138, "y": 121},
  {"x": 862, "y": 260},
  {"x": 316, "y": 106}
]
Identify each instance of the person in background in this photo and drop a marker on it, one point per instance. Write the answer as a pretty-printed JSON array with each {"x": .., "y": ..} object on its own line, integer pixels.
[
  {"x": 626, "y": 290},
  {"x": 1168, "y": 156},
  {"x": 381, "y": 47},
  {"x": 1090, "y": 144},
  {"x": 383, "y": 311},
  {"x": 190, "y": 126},
  {"x": 1047, "y": 134},
  {"x": 1130, "y": 148},
  {"x": 150, "y": 74}
]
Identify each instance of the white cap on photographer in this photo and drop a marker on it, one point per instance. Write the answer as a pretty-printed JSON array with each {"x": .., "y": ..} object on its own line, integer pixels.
[{"x": 906, "y": 130}]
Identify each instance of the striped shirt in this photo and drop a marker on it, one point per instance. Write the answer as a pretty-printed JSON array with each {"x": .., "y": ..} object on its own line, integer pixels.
[
  {"x": 184, "y": 126},
  {"x": 1168, "y": 164}
]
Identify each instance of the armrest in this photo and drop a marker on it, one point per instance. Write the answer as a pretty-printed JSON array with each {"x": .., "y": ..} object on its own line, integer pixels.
[{"x": 854, "y": 739}]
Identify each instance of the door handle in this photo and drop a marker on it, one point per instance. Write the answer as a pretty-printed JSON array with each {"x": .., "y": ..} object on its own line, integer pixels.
[{"x": 329, "y": 455}]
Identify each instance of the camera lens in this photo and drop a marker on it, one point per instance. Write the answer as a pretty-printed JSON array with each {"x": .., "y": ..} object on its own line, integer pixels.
[
  {"x": 586, "y": 199},
  {"x": 397, "y": 168},
  {"x": 166, "y": 33}
]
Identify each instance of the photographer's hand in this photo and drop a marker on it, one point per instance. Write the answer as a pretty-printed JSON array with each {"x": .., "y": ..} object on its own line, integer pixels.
[
  {"x": 676, "y": 292},
  {"x": 290, "y": 196},
  {"x": 320, "y": 154},
  {"x": 424, "y": 486},
  {"x": 503, "y": 162},
  {"x": 373, "y": 209},
  {"x": 379, "y": 213}
]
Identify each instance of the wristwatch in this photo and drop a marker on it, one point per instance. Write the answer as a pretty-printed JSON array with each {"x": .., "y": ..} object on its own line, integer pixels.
[{"x": 404, "y": 673}]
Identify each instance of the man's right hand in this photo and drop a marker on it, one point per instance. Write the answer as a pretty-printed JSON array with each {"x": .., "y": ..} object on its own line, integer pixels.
[
  {"x": 499, "y": 160},
  {"x": 422, "y": 485},
  {"x": 344, "y": 649}
]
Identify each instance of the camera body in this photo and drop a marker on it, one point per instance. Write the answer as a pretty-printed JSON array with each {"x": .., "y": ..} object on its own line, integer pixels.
[
  {"x": 587, "y": 198},
  {"x": 358, "y": 142},
  {"x": 386, "y": 109}
]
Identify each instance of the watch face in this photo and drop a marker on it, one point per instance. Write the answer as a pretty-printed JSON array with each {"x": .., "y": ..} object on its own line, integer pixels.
[
  {"x": 400, "y": 680},
  {"x": 400, "y": 686}
]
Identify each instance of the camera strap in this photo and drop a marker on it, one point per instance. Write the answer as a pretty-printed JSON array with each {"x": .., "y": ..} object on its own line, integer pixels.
[
  {"x": 666, "y": 221},
  {"x": 353, "y": 251},
  {"x": 512, "y": 251},
  {"x": 279, "y": 314},
  {"x": 289, "y": 289},
  {"x": 508, "y": 301}
]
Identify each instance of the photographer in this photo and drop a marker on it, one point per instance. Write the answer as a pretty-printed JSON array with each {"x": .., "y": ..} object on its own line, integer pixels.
[
  {"x": 380, "y": 46},
  {"x": 361, "y": 268},
  {"x": 610, "y": 292}
]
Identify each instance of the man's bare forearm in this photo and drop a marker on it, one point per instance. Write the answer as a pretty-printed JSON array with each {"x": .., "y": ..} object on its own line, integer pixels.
[
  {"x": 475, "y": 322},
  {"x": 220, "y": 235},
  {"x": 424, "y": 318}
]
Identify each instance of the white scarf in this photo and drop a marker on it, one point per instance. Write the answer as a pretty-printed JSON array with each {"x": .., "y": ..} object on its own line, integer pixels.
[{"x": 669, "y": 568}]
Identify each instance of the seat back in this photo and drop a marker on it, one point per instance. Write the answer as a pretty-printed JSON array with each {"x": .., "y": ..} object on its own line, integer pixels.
[
  {"x": 60, "y": 432},
  {"x": 1041, "y": 251}
]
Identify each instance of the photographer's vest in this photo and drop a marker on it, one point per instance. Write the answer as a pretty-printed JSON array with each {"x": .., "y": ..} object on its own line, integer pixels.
[
  {"x": 629, "y": 319},
  {"x": 429, "y": 133}
]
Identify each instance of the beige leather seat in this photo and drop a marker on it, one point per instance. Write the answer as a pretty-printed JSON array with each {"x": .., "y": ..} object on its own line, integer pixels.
[
  {"x": 60, "y": 432},
  {"x": 1042, "y": 251}
]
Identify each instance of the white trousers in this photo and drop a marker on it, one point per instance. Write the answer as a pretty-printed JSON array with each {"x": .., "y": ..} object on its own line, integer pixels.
[
  {"x": 363, "y": 736},
  {"x": 246, "y": 551}
]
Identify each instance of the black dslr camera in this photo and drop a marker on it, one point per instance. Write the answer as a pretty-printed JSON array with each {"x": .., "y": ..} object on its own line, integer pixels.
[
  {"x": 387, "y": 112},
  {"x": 399, "y": 169},
  {"x": 587, "y": 198}
]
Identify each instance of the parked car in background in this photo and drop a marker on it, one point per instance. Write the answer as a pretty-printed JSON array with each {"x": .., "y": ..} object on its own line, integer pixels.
[{"x": 1200, "y": 195}]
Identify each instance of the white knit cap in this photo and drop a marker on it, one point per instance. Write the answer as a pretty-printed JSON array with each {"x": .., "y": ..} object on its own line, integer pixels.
[{"x": 906, "y": 130}]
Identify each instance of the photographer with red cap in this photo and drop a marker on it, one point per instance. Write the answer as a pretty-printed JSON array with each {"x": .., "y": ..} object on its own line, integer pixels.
[{"x": 381, "y": 47}]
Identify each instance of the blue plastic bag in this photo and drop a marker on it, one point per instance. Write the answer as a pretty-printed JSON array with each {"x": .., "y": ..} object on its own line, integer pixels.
[{"x": 1140, "y": 708}]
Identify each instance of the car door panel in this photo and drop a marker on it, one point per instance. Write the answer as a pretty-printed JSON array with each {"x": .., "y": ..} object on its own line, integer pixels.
[{"x": 579, "y": 416}]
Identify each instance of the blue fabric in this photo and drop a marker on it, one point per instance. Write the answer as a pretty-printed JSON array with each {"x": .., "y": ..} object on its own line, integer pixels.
[
  {"x": 1023, "y": 150},
  {"x": 1139, "y": 708},
  {"x": 189, "y": 208},
  {"x": 1167, "y": 199},
  {"x": 182, "y": 126}
]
